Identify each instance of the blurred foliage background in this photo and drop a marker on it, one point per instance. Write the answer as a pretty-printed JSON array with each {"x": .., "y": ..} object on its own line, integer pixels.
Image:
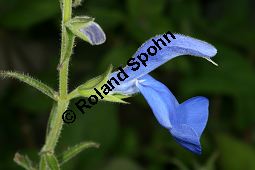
[{"x": 129, "y": 135}]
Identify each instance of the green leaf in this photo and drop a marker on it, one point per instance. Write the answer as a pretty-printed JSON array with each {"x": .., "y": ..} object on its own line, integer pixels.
[
  {"x": 23, "y": 161},
  {"x": 75, "y": 150},
  {"x": 52, "y": 162},
  {"x": 85, "y": 28},
  {"x": 30, "y": 81}
]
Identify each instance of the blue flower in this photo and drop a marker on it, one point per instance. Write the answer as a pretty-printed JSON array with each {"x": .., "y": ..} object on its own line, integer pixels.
[{"x": 185, "y": 121}]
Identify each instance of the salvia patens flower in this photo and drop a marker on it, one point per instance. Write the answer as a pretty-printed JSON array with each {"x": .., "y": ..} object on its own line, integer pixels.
[{"x": 185, "y": 121}]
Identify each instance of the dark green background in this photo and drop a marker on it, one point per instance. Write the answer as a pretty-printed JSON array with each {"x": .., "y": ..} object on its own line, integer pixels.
[{"x": 130, "y": 137}]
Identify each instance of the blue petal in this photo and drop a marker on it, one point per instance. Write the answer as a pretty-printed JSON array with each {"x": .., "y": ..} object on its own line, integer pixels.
[
  {"x": 181, "y": 45},
  {"x": 189, "y": 122},
  {"x": 187, "y": 137},
  {"x": 160, "y": 99},
  {"x": 193, "y": 112},
  {"x": 95, "y": 34},
  {"x": 185, "y": 121},
  {"x": 127, "y": 88}
]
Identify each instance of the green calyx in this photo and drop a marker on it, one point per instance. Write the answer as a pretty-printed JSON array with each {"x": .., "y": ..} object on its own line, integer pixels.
[{"x": 88, "y": 88}]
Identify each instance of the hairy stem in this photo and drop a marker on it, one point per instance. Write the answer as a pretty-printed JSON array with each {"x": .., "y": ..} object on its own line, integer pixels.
[{"x": 56, "y": 121}]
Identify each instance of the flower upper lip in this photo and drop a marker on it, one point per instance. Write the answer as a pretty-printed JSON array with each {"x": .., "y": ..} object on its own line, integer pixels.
[{"x": 182, "y": 45}]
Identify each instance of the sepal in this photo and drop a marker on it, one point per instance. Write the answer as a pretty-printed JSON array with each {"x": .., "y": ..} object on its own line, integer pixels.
[
  {"x": 117, "y": 98},
  {"x": 87, "y": 89}
]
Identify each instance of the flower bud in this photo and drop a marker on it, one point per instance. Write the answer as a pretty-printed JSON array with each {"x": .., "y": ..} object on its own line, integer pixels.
[{"x": 85, "y": 28}]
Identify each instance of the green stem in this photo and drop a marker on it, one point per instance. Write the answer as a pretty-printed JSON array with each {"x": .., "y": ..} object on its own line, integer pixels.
[
  {"x": 66, "y": 49},
  {"x": 56, "y": 126},
  {"x": 56, "y": 122}
]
